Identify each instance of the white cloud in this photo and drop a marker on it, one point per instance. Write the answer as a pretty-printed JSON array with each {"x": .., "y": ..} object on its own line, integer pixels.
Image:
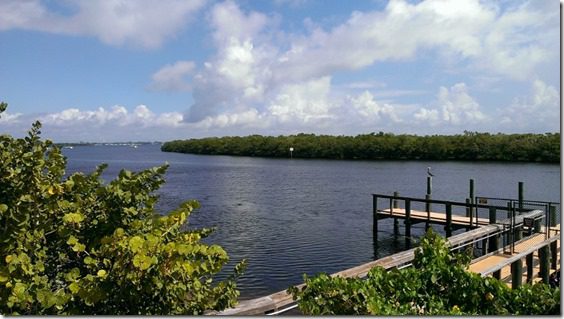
[
  {"x": 466, "y": 29},
  {"x": 454, "y": 107},
  {"x": 302, "y": 102},
  {"x": 253, "y": 70},
  {"x": 172, "y": 77},
  {"x": 144, "y": 23},
  {"x": 366, "y": 106},
  {"x": 539, "y": 111},
  {"x": 6, "y": 117}
]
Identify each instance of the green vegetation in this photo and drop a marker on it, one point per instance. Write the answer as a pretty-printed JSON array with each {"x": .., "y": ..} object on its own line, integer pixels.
[
  {"x": 76, "y": 245},
  {"x": 469, "y": 146},
  {"x": 436, "y": 284}
]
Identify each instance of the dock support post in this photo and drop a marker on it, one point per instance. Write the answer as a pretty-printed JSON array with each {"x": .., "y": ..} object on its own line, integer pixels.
[
  {"x": 408, "y": 222},
  {"x": 468, "y": 213},
  {"x": 520, "y": 198},
  {"x": 544, "y": 259},
  {"x": 396, "y": 223},
  {"x": 472, "y": 210},
  {"x": 552, "y": 212},
  {"x": 529, "y": 262},
  {"x": 375, "y": 216},
  {"x": 494, "y": 240},
  {"x": 554, "y": 255},
  {"x": 448, "y": 227},
  {"x": 516, "y": 274},
  {"x": 428, "y": 207},
  {"x": 429, "y": 192},
  {"x": 493, "y": 217},
  {"x": 375, "y": 225}
]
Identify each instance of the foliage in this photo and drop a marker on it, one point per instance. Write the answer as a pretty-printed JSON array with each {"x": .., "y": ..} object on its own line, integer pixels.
[
  {"x": 76, "y": 245},
  {"x": 437, "y": 284},
  {"x": 468, "y": 146}
]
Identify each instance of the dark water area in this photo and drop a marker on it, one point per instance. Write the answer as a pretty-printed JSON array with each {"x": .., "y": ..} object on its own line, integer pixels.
[{"x": 290, "y": 216}]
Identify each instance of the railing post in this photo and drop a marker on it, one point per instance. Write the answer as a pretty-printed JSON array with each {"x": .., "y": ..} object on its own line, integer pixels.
[
  {"x": 472, "y": 210},
  {"x": 494, "y": 240},
  {"x": 396, "y": 223},
  {"x": 544, "y": 260},
  {"x": 493, "y": 217},
  {"x": 554, "y": 254},
  {"x": 448, "y": 227},
  {"x": 469, "y": 210},
  {"x": 516, "y": 274},
  {"x": 429, "y": 192},
  {"x": 552, "y": 212},
  {"x": 396, "y": 204},
  {"x": 428, "y": 207},
  {"x": 519, "y": 231},
  {"x": 374, "y": 216},
  {"x": 408, "y": 222},
  {"x": 530, "y": 265},
  {"x": 520, "y": 198}
]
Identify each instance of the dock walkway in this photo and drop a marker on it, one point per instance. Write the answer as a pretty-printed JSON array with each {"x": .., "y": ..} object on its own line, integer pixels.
[{"x": 433, "y": 217}]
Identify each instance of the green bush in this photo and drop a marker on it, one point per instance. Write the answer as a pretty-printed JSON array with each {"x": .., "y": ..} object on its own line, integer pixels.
[
  {"x": 76, "y": 245},
  {"x": 437, "y": 284}
]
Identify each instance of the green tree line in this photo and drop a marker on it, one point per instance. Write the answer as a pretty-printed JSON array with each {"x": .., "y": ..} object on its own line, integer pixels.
[{"x": 470, "y": 146}]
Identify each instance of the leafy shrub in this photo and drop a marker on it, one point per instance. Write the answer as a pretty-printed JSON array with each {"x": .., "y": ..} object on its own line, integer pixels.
[
  {"x": 437, "y": 284},
  {"x": 77, "y": 245}
]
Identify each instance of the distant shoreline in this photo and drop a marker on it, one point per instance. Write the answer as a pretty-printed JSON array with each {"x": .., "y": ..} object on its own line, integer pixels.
[{"x": 470, "y": 146}]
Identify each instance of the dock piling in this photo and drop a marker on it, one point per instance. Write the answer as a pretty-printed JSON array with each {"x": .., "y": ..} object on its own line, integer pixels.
[
  {"x": 544, "y": 260},
  {"x": 448, "y": 227},
  {"x": 530, "y": 265},
  {"x": 472, "y": 200},
  {"x": 375, "y": 216},
  {"x": 429, "y": 192},
  {"x": 408, "y": 222},
  {"x": 396, "y": 222},
  {"x": 552, "y": 212},
  {"x": 516, "y": 274},
  {"x": 554, "y": 255}
]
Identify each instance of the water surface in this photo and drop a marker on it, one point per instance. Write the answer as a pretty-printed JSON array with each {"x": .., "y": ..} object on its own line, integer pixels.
[{"x": 290, "y": 216}]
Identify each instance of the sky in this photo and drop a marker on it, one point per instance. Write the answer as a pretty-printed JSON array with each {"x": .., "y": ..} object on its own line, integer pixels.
[{"x": 144, "y": 70}]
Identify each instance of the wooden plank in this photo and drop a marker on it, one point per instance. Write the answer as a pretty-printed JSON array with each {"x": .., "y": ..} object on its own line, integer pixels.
[
  {"x": 498, "y": 261},
  {"x": 433, "y": 217}
]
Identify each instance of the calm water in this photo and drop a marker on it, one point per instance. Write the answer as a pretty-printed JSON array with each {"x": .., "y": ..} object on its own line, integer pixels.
[{"x": 290, "y": 217}]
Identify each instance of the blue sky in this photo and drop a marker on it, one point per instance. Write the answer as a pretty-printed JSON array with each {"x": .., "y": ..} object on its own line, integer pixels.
[{"x": 120, "y": 70}]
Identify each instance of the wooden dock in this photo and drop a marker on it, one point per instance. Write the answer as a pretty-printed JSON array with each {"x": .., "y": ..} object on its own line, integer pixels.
[
  {"x": 539, "y": 249},
  {"x": 432, "y": 217},
  {"x": 483, "y": 265}
]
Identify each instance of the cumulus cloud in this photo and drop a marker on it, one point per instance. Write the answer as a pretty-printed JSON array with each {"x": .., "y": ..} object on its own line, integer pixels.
[
  {"x": 6, "y": 117},
  {"x": 112, "y": 124},
  {"x": 539, "y": 111},
  {"x": 454, "y": 106},
  {"x": 140, "y": 117},
  {"x": 466, "y": 29},
  {"x": 143, "y": 23},
  {"x": 172, "y": 77},
  {"x": 286, "y": 78}
]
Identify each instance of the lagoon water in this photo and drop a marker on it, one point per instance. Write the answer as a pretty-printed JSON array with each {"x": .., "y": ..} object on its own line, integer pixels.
[{"x": 291, "y": 216}]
